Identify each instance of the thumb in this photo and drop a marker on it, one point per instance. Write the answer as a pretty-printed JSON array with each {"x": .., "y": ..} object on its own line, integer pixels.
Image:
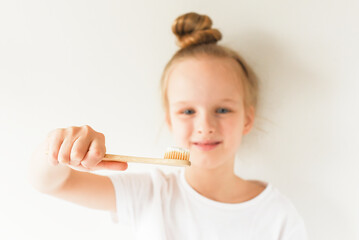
[
  {"x": 111, "y": 165},
  {"x": 103, "y": 165}
]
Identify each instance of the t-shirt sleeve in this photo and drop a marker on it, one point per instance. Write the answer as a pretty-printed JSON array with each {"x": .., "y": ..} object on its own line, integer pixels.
[
  {"x": 296, "y": 232},
  {"x": 294, "y": 227},
  {"x": 280, "y": 218},
  {"x": 133, "y": 191}
]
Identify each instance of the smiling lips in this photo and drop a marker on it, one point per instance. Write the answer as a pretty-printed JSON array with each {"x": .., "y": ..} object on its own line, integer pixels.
[{"x": 206, "y": 146}]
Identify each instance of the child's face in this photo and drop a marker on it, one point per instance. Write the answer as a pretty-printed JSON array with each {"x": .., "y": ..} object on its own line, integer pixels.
[{"x": 206, "y": 112}]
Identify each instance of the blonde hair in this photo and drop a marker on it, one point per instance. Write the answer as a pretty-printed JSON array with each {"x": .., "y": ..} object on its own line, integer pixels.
[{"x": 195, "y": 37}]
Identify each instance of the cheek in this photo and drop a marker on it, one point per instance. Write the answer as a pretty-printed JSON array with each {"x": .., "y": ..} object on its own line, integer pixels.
[
  {"x": 233, "y": 129},
  {"x": 181, "y": 130}
]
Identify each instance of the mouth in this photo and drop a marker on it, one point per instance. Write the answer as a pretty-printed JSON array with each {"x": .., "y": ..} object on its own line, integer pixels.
[{"x": 207, "y": 145}]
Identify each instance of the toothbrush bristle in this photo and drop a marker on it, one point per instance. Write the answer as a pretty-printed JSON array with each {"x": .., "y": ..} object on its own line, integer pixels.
[{"x": 177, "y": 153}]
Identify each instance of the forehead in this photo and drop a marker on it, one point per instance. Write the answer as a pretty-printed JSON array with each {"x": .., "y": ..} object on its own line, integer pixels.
[{"x": 204, "y": 79}]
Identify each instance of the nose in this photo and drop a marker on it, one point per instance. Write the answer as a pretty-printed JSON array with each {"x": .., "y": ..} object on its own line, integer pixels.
[
  {"x": 204, "y": 131},
  {"x": 205, "y": 124}
]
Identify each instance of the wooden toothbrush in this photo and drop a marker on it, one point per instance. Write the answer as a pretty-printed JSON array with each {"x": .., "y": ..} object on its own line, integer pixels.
[{"x": 173, "y": 157}]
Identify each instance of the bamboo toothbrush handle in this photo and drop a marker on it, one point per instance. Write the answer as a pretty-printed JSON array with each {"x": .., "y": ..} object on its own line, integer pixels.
[{"x": 163, "y": 161}]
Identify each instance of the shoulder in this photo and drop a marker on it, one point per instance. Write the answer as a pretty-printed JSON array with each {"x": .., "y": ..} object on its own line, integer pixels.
[
  {"x": 275, "y": 202},
  {"x": 279, "y": 202},
  {"x": 280, "y": 211}
]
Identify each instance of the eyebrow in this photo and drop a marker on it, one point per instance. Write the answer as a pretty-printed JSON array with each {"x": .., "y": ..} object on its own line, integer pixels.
[
  {"x": 223, "y": 100},
  {"x": 228, "y": 100}
]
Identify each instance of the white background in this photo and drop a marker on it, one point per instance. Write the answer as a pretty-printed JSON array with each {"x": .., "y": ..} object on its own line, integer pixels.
[{"x": 65, "y": 63}]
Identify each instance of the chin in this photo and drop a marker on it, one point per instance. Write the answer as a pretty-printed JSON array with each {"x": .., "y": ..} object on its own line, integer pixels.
[{"x": 205, "y": 162}]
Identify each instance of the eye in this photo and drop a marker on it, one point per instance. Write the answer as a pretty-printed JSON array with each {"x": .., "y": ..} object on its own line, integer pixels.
[
  {"x": 188, "y": 111},
  {"x": 222, "y": 110}
]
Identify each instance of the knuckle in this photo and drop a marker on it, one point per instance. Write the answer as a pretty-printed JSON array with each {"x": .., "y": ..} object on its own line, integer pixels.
[
  {"x": 63, "y": 158},
  {"x": 76, "y": 156},
  {"x": 102, "y": 139},
  {"x": 87, "y": 128},
  {"x": 97, "y": 153},
  {"x": 71, "y": 131},
  {"x": 101, "y": 136},
  {"x": 59, "y": 131},
  {"x": 85, "y": 131}
]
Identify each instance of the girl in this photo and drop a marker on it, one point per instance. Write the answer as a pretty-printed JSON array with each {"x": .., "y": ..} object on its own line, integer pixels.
[{"x": 209, "y": 96}]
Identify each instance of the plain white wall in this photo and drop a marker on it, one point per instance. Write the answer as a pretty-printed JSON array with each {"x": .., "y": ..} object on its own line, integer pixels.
[{"x": 65, "y": 63}]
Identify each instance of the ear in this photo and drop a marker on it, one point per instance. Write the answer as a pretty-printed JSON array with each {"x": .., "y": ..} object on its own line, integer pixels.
[{"x": 249, "y": 120}]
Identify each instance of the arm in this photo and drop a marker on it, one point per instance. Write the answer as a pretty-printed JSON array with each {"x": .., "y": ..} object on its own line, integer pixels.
[
  {"x": 60, "y": 167},
  {"x": 89, "y": 190}
]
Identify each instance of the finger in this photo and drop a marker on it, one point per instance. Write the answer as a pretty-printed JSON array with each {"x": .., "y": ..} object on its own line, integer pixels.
[
  {"x": 111, "y": 165},
  {"x": 64, "y": 152},
  {"x": 104, "y": 165},
  {"x": 79, "y": 149},
  {"x": 95, "y": 154},
  {"x": 79, "y": 168},
  {"x": 54, "y": 144}
]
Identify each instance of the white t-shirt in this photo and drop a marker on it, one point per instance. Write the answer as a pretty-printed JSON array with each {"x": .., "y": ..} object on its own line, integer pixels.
[{"x": 162, "y": 205}]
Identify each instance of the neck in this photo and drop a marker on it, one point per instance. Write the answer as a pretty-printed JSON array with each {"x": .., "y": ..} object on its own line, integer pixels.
[{"x": 219, "y": 184}]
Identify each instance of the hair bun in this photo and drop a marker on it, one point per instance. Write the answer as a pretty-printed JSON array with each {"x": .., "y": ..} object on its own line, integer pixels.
[{"x": 194, "y": 29}]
